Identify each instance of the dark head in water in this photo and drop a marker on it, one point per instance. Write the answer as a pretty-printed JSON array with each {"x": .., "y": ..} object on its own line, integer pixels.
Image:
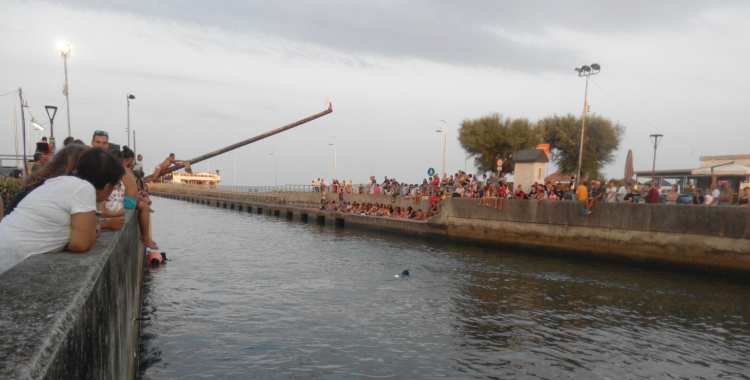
[{"x": 405, "y": 273}]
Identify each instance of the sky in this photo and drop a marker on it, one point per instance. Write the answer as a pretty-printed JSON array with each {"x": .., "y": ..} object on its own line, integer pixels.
[{"x": 208, "y": 74}]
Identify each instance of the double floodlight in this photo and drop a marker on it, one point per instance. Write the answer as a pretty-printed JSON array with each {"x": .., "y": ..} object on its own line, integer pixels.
[{"x": 587, "y": 70}]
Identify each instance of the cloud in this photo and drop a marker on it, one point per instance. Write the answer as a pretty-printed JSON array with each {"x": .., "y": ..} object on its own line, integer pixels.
[
  {"x": 452, "y": 32},
  {"x": 206, "y": 76}
]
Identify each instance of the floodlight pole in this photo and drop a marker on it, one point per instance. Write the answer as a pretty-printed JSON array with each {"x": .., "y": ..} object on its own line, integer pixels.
[
  {"x": 584, "y": 71},
  {"x": 65, "y": 54},
  {"x": 655, "y": 137}
]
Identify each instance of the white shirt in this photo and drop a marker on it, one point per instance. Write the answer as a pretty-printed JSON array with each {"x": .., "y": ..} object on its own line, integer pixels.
[
  {"x": 116, "y": 199},
  {"x": 41, "y": 222},
  {"x": 621, "y": 193}
]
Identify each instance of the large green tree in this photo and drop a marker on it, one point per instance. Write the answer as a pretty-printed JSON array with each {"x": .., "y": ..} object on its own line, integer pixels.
[
  {"x": 563, "y": 133},
  {"x": 493, "y": 137}
]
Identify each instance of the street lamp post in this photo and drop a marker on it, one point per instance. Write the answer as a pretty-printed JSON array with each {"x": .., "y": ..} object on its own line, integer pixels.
[
  {"x": 655, "y": 137},
  {"x": 585, "y": 71},
  {"x": 443, "y": 131},
  {"x": 51, "y": 112},
  {"x": 334, "y": 159},
  {"x": 128, "y": 98},
  {"x": 23, "y": 129},
  {"x": 65, "y": 49}
]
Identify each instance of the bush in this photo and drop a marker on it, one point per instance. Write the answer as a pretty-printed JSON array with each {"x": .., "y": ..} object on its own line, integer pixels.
[{"x": 9, "y": 187}]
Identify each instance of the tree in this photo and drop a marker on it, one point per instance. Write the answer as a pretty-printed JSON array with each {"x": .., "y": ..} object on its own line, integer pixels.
[
  {"x": 493, "y": 137},
  {"x": 563, "y": 133}
]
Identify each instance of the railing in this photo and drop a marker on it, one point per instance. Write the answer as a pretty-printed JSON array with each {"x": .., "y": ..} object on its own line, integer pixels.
[
  {"x": 285, "y": 188},
  {"x": 267, "y": 189}
]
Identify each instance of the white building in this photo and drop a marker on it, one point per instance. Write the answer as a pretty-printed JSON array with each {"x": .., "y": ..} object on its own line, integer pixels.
[{"x": 530, "y": 167}]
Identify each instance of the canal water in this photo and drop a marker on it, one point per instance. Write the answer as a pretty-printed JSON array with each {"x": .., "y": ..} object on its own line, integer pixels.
[{"x": 252, "y": 296}]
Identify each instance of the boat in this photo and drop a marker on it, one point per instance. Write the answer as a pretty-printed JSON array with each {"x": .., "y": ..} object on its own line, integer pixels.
[{"x": 203, "y": 179}]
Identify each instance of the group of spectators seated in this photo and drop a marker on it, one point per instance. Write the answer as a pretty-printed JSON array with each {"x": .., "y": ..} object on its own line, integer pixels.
[
  {"x": 378, "y": 209},
  {"x": 71, "y": 197}
]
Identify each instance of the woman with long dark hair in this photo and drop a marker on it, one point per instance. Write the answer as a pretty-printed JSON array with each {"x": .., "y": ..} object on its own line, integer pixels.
[
  {"x": 61, "y": 212},
  {"x": 63, "y": 163}
]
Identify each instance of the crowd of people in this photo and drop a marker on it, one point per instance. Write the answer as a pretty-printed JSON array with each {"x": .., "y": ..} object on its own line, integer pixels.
[
  {"x": 73, "y": 194},
  {"x": 379, "y": 209},
  {"x": 467, "y": 185}
]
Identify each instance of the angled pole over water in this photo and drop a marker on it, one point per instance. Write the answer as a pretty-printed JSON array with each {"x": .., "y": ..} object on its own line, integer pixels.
[{"x": 250, "y": 140}]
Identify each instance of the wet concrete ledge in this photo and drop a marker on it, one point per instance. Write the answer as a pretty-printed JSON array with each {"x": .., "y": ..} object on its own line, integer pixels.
[
  {"x": 74, "y": 316},
  {"x": 708, "y": 239}
]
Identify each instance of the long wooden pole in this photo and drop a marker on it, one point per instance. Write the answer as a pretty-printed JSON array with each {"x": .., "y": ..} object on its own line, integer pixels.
[{"x": 250, "y": 140}]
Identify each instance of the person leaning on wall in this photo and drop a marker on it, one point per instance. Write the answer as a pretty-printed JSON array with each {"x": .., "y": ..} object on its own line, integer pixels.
[{"x": 61, "y": 213}]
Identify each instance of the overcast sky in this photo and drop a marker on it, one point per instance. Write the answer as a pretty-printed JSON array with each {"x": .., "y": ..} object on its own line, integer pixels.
[{"x": 207, "y": 74}]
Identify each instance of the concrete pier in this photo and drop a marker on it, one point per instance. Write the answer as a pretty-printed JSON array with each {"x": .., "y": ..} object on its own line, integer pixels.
[
  {"x": 74, "y": 315},
  {"x": 697, "y": 237}
]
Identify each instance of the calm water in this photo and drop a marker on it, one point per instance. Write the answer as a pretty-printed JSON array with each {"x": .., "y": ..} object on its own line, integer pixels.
[{"x": 252, "y": 296}]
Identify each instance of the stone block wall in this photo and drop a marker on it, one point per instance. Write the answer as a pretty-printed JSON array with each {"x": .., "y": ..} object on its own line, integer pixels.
[{"x": 74, "y": 315}]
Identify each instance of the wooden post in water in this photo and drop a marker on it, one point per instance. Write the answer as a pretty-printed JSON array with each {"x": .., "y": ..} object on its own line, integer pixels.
[{"x": 250, "y": 140}]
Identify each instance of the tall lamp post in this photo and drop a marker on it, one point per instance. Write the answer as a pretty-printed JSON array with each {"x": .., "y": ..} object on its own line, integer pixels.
[
  {"x": 334, "y": 159},
  {"x": 23, "y": 129},
  {"x": 443, "y": 131},
  {"x": 51, "y": 112},
  {"x": 128, "y": 98},
  {"x": 584, "y": 71},
  {"x": 65, "y": 48},
  {"x": 655, "y": 137}
]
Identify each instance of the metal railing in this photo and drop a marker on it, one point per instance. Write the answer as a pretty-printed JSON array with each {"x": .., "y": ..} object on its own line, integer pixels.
[{"x": 286, "y": 188}]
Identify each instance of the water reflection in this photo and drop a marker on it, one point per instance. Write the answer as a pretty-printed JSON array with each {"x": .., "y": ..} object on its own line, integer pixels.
[{"x": 249, "y": 296}]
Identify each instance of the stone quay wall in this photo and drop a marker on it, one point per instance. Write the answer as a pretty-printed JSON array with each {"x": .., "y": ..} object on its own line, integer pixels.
[
  {"x": 697, "y": 237},
  {"x": 74, "y": 315}
]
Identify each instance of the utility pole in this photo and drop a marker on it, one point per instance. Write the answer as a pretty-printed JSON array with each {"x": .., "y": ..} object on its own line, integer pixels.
[
  {"x": 135, "y": 150},
  {"x": 584, "y": 71},
  {"x": 23, "y": 129},
  {"x": 655, "y": 137}
]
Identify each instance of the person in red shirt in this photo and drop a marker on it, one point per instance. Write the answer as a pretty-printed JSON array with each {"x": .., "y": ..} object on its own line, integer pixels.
[
  {"x": 653, "y": 194},
  {"x": 520, "y": 194}
]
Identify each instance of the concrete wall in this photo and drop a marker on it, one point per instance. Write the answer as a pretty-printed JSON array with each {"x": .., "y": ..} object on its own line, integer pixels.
[
  {"x": 700, "y": 237},
  {"x": 74, "y": 316},
  {"x": 706, "y": 238}
]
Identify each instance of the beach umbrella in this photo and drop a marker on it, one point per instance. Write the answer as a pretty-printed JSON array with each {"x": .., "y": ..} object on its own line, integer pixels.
[{"x": 629, "y": 166}]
